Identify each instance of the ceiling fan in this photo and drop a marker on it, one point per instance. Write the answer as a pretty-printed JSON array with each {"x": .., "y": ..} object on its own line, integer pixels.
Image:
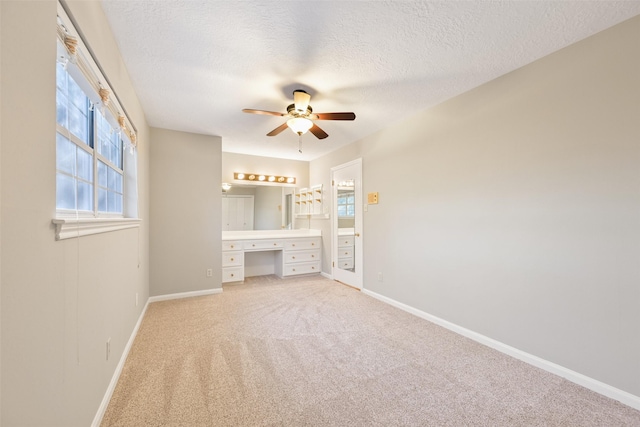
[{"x": 301, "y": 116}]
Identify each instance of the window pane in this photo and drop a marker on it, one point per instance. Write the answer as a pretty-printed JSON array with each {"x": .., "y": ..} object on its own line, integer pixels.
[
  {"x": 342, "y": 210},
  {"x": 102, "y": 200},
  {"x": 85, "y": 196},
  {"x": 85, "y": 165},
  {"x": 76, "y": 95},
  {"x": 111, "y": 201},
  {"x": 351, "y": 200},
  {"x": 110, "y": 144},
  {"x": 102, "y": 174},
  {"x": 61, "y": 78},
  {"x": 117, "y": 183},
  {"x": 61, "y": 109},
  {"x": 65, "y": 192},
  {"x": 114, "y": 180},
  {"x": 116, "y": 207},
  {"x": 65, "y": 154},
  {"x": 350, "y": 210},
  {"x": 79, "y": 123}
]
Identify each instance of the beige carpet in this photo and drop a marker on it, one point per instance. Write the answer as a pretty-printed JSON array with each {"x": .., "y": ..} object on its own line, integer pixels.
[{"x": 312, "y": 352}]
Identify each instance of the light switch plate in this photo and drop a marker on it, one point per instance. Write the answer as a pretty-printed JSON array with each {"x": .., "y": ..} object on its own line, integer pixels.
[{"x": 372, "y": 198}]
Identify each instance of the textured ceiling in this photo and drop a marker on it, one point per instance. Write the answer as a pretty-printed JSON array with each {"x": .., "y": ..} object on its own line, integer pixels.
[{"x": 196, "y": 64}]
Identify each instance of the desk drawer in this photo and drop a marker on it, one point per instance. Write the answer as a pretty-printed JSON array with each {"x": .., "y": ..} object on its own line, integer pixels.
[
  {"x": 263, "y": 245},
  {"x": 232, "y": 274},
  {"x": 302, "y": 268},
  {"x": 231, "y": 259},
  {"x": 345, "y": 241},
  {"x": 301, "y": 256},
  {"x": 303, "y": 244},
  {"x": 345, "y": 252},
  {"x": 345, "y": 263},
  {"x": 229, "y": 245}
]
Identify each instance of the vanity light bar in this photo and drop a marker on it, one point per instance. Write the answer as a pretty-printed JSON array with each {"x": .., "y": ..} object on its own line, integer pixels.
[{"x": 264, "y": 178}]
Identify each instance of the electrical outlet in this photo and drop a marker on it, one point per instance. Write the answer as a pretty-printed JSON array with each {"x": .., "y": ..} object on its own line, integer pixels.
[
  {"x": 108, "y": 347},
  {"x": 209, "y": 272},
  {"x": 380, "y": 277}
]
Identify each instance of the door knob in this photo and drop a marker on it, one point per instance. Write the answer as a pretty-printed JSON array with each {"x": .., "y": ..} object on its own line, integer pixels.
[{"x": 357, "y": 234}]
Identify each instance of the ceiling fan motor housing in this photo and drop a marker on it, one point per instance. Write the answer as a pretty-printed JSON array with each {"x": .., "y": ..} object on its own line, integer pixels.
[{"x": 291, "y": 109}]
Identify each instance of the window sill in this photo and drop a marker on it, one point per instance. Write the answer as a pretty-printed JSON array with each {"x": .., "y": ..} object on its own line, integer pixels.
[{"x": 68, "y": 228}]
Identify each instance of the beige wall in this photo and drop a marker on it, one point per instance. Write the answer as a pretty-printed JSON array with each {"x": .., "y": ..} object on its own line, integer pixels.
[
  {"x": 61, "y": 300},
  {"x": 186, "y": 225},
  {"x": 513, "y": 210}
]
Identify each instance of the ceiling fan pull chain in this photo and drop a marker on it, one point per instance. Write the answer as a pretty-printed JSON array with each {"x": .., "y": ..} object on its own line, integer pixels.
[{"x": 300, "y": 144}]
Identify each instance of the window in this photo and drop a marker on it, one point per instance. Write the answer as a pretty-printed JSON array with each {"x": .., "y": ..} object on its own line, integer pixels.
[
  {"x": 89, "y": 153},
  {"x": 96, "y": 156}
]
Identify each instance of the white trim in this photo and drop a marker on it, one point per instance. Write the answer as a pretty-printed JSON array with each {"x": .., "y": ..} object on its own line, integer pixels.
[
  {"x": 185, "y": 295},
  {"x": 326, "y": 275},
  {"x": 97, "y": 420},
  {"x": 575, "y": 377},
  {"x": 68, "y": 228}
]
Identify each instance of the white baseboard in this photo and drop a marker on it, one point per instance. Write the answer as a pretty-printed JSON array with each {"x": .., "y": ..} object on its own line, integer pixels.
[
  {"x": 326, "y": 275},
  {"x": 185, "y": 295},
  {"x": 97, "y": 420},
  {"x": 575, "y": 377}
]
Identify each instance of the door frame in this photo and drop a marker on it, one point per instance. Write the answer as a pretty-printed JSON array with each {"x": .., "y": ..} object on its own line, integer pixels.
[{"x": 354, "y": 279}]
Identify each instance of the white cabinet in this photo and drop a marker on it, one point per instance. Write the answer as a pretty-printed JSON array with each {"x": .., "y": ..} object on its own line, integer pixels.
[
  {"x": 310, "y": 201},
  {"x": 300, "y": 256},
  {"x": 237, "y": 213},
  {"x": 232, "y": 261},
  {"x": 293, "y": 256}
]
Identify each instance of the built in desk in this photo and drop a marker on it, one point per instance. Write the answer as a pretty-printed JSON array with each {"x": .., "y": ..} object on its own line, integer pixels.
[{"x": 294, "y": 252}]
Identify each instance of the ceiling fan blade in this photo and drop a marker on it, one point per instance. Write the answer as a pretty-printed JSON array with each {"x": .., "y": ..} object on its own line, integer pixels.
[
  {"x": 268, "y": 113},
  {"x": 319, "y": 133},
  {"x": 278, "y": 129},
  {"x": 335, "y": 116}
]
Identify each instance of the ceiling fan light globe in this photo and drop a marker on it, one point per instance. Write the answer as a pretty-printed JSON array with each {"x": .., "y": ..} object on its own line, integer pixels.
[{"x": 299, "y": 125}]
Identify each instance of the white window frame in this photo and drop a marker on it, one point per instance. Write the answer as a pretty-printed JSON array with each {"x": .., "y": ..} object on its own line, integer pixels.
[{"x": 74, "y": 223}]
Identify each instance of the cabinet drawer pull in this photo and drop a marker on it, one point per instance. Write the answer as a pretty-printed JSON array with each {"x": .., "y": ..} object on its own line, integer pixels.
[
  {"x": 294, "y": 269},
  {"x": 313, "y": 243},
  {"x": 346, "y": 253},
  {"x": 253, "y": 245},
  {"x": 313, "y": 256},
  {"x": 293, "y": 257},
  {"x": 232, "y": 246},
  {"x": 231, "y": 274},
  {"x": 293, "y": 244},
  {"x": 313, "y": 268},
  {"x": 231, "y": 259},
  {"x": 275, "y": 244}
]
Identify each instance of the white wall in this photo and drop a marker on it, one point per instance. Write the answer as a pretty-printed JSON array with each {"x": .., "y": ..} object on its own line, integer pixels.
[
  {"x": 186, "y": 226},
  {"x": 61, "y": 300},
  {"x": 513, "y": 210}
]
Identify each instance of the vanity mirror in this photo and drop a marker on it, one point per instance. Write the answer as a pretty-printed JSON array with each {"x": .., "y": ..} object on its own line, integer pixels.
[{"x": 257, "y": 207}]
